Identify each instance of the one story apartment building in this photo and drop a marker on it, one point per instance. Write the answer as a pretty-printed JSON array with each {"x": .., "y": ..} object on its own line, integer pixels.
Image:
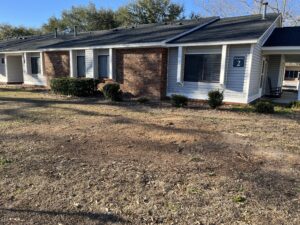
[{"x": 243, "y": 56}]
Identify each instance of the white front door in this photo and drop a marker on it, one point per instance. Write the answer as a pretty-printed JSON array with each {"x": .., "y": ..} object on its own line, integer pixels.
[{"x": 264, "y": 69}]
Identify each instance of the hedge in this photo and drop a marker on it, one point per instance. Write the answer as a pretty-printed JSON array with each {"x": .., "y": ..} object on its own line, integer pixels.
[{"x": 80, "y": 87}]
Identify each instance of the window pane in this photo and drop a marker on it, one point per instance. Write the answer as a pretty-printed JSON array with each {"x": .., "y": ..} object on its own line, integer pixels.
[
  {"x": 35, "y": 65},
  {"x": 103, "y": 66},
  {"x": 81, "y": 66},
  {"x": 205, "y": 67}
]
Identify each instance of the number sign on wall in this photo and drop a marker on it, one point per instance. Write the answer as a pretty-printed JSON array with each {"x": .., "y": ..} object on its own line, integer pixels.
[{"x": 239, "y": 61}]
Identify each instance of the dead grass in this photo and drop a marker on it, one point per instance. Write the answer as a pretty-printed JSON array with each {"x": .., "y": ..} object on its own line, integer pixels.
[{"x": 87, "y": 161}]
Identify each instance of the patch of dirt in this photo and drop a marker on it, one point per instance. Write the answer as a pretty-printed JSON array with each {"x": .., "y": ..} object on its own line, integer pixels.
[{"x": 87, "y": 161}]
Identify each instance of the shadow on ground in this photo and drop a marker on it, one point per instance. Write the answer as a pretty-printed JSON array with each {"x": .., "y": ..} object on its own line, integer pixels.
[{"x": 99, "y": 217}]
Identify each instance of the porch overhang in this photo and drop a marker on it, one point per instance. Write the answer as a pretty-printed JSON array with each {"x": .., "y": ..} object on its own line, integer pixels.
[{"x": 281, "y": 50}]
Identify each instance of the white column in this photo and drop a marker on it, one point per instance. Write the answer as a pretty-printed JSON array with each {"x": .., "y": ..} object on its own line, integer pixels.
[
  {"x": 180, "y": 65},
  {"x": 72, "y": 74},
  {"x": 5, "y": 68},
  {"x": 42, "y": 63},
  {"x": 223, "y": 65},
  {"x": 111, "y": 61},
  {"x": 27, "y": 64},
  {"x": 281, "y": 71},
  {"x": 299, "y": 91}
]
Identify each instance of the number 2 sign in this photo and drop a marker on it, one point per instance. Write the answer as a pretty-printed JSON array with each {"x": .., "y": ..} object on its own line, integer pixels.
[{"x": 239, "y": 61}]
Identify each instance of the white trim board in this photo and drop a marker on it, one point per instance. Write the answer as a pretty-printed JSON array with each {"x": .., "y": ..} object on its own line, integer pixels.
[
  {"x": 281, "y": 48},
  {"x": 249, "y": 70},
  {"x": 271, "y": 27},
  {"x": 241, "y": 100},
  {"x": 140, "y": 45},
  {"x": 253, "y": 98},
  {"x": 250, "y": 41}
]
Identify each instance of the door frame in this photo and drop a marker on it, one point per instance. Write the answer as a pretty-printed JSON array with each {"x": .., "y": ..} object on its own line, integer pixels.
[{"x": 78, "y": 65}]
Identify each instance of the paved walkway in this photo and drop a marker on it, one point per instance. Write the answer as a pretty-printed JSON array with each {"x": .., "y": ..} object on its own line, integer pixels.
[{"x": 286, "y": 98}]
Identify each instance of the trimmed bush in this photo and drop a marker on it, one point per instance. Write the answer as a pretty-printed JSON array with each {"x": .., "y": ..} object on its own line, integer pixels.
[
  {"x": 295, "y": 105},
  {"x": 74, "y": 86},
  {"x": 264, "y": 107},
  {"x": 142, "y": 100},
  {"x": 215, "y": 99},
  {"x": 179, "y": 101},
  {"x": 60, "y": 85},
  {"x": 112, "y": 91}
]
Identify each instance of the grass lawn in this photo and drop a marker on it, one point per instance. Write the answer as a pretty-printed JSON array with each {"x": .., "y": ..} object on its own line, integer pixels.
[{"x": 86, "y": 161}]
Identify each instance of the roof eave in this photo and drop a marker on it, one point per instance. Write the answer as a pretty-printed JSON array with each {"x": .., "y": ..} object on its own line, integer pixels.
[
  {"x": 269, "y": 29},
  {"x": 249, "y": 41}
]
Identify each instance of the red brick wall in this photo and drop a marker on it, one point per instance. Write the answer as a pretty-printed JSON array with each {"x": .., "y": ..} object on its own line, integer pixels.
[
  {"x": 142, "y": 72},
  {"x": 56, "y": 64}
]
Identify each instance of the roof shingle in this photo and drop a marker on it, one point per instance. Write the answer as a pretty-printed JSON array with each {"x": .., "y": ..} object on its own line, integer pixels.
[
  {"x": 148, "y": 33},
  {"x": 214, "y": 29},
  {"x": 285, "y": 36},
  {"x": 230, "y": 29}
]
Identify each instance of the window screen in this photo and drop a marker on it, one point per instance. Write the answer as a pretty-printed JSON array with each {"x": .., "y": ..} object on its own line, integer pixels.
[
  {"x": 103, "y": 66},
  {"x": 203, "y": 68},
  {"x": 35, "y": 65},
  {"x": 81, "y": 66}
]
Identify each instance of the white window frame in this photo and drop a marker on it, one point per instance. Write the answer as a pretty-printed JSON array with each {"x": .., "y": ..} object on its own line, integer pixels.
[{"x": 203, "y": 53}]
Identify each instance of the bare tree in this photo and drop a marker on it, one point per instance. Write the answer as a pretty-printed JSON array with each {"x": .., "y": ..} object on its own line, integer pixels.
[{"x": 288, "y": 8}]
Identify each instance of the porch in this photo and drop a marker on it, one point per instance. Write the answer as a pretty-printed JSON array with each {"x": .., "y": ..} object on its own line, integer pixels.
[
  {"x": 281, "y": 76},
  {"x": 286, "y": 97}
]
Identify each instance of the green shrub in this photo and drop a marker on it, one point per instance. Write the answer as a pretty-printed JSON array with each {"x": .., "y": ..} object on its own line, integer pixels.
[
  {"x": 60, "y": 85},
  {"x": 264, "y": 107},
  {"x": 215, "y": 99},
  {"x": 295, "y": 105},
  {"x": 112, "y": 91},
  {"x": 74, "y": 86},
  {"x": 179, "y": 101},
  {"x": 142, "y": 100}
]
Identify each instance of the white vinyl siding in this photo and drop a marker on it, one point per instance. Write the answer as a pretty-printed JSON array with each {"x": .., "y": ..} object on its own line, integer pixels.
[
  {"x": 235, "y": 77},
  {"x": 256, "y": 71},
  {"x": 256, "y": 68},
  {"x": 29, "y": 78},
  {"x": 3, "y": 77},
  {"x": 89, "y": 63}
]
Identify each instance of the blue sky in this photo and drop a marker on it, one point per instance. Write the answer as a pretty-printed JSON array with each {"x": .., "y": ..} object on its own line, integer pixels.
[{"x": 34, "y": 13}]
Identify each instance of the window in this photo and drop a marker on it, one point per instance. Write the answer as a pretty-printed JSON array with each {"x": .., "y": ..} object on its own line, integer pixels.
[
  {"x": 2, "y": 60},
  {"x": 202, "y": 68},
  {"x": 35, "y": 65},
  {"x": 103, "y": 66},
  {"x": 291, "y": 75},
  {"x": 81, "y": 66}
]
